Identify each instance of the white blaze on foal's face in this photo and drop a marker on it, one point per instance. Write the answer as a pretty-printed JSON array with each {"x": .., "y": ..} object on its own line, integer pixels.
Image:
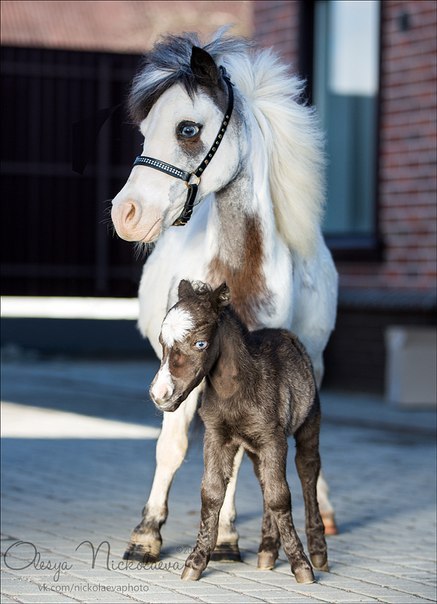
[
  {"x": 175, "y": 327},
  {"x": 162, "y": 387}
]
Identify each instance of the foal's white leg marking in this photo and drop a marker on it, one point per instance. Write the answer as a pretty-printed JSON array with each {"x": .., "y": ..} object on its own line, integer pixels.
[
  {"x": 227, "y": 532},
  {"x": 170, "y": 452},
  {"x": 176, "y": 325}
]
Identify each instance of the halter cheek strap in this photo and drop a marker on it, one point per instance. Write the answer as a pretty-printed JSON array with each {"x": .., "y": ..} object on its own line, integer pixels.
[{"x": 192, "y": 179}]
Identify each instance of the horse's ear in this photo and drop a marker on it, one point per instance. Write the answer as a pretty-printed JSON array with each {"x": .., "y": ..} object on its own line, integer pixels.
[
  {"x": 185, "y": 289},
  {"x": 203, "y": 67},
  {"x": 221, "y": 296}
]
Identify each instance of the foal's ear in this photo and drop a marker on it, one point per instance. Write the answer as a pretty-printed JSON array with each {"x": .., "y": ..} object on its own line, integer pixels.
[
  {"x": 221, "y": 296},
  {"x": 185, "y": 289},
  {"x": 203, "y": 67}
]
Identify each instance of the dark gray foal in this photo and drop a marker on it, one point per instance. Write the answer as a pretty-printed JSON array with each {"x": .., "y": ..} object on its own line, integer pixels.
[{"x": 259, "y": 389}]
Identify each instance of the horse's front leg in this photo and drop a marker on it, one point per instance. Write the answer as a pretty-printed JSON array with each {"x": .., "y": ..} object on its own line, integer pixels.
[
  {"x": 219, "y": 461},
  {"x": 226, "y": 549},
  {"x": 145, "y": 541}
]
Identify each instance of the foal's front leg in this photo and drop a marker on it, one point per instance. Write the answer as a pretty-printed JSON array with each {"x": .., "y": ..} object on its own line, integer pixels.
[
  {"x": 270, "y": 540},
  {"x": 277, "y": 499},
  {"x": 219, "y": 460}
]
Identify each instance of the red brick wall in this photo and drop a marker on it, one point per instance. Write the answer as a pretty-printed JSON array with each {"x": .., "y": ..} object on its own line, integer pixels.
[
  {"x": 407, "y": 160},
  {"x": 125, "y": 26},
  {"x": 276, "y": 25}
]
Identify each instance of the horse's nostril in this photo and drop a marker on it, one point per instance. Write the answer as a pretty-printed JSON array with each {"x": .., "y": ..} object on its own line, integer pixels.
[{"x": 130, "y": 215}]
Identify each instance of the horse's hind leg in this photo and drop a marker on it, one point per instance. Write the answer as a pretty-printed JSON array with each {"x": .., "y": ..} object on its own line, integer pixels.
[
  {"x": 145, "y": 541},
  {"x": 308, "y": 467},
  {"x": 326, "y": 509},
  {"x": 226, "y": 549}
]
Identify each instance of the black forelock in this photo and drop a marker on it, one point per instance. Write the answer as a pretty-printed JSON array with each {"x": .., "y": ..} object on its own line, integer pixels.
[
  {"x": 171, "y": 56},
  {"x": 168, "y": 63}
]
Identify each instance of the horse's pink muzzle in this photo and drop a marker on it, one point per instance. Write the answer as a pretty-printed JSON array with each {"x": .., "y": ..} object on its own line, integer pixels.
[{"x": 132, "y": 224}]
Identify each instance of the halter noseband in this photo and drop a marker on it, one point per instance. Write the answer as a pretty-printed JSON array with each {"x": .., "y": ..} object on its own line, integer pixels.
[{"x": 192, "y": 179}]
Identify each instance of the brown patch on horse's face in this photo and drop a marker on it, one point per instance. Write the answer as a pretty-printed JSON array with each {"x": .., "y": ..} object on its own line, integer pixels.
[{"x": 247, "y": 283}]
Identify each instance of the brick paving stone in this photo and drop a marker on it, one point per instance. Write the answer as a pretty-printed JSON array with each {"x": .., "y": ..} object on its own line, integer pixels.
[
  {"x": 58, "y": 493},
  {"x": 229, "y": 598},
  {"x": 293, "y": 600},
  {"x": 43, "y": 599},
  {"x": 327, "y": 594}
]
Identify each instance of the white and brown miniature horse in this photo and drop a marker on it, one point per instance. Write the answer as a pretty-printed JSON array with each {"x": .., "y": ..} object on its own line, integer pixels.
[
  {"x": 253, "y": 154},
  {"x": 259, "y": 388}
]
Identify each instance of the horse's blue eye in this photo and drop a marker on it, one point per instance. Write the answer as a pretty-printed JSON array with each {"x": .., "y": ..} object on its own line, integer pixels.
[
  {"x": 201, "y": 345},
  {"x": 188, "y": 130}
]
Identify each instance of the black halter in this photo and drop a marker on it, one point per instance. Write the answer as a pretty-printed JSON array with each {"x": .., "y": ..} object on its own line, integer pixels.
[{"x": 192, "y": 179}]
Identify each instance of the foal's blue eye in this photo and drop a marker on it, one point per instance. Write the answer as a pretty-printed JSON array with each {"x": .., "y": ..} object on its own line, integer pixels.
[
  {"x": 188, "y": 130},
  {"x": 201, "y": 345}
]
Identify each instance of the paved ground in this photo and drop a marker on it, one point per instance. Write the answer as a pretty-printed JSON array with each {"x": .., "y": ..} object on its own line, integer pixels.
[{"x": 78, "y": 458}]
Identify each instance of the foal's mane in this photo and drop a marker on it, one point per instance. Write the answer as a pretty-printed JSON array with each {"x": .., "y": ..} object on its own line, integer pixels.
[{"x": 287, "y": 129}]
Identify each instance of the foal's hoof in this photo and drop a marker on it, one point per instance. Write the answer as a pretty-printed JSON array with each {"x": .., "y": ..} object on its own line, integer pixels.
[
  {"x": 304, "y": 575},
  {"x": 190, "y": 574},
  {"x": 226, "y": 552},
  {"x": 266, "y": 560},
  {"x": 329, "y": 524},
  {"x": 320, "y": 561}
]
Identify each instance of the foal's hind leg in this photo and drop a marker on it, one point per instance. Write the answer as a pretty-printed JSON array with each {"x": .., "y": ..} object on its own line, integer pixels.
[
  {"x": 270, "y": 540},
  {"x": 145, "y": 541},
  {"x": 227, "y": 549},
  {"x": 308, "y": 467}
]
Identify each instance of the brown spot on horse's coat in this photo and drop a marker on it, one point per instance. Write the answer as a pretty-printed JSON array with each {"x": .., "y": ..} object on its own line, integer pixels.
[{"x": 247, "y": 282}]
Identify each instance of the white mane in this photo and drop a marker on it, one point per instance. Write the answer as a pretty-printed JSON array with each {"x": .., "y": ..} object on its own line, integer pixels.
[{"x": 294, "y": 144}]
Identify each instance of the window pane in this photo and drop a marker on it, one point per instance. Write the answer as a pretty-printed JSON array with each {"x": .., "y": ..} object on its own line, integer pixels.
[{"x": 345, "y": 92}]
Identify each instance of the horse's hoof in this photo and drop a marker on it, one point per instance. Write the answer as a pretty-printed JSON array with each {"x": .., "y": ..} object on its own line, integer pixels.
[
  {"x": 304, "y": 575},
  {"x": 320, "y": 561},
  {"x": 226, "y": 552},
  {"x": 139, "y": 554},
  {"x": 190, "y": 574},
  {"x": 329, "y": 524},
  {"x": 143, "y": 547},
  {"x": 266, "y": 560}
]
